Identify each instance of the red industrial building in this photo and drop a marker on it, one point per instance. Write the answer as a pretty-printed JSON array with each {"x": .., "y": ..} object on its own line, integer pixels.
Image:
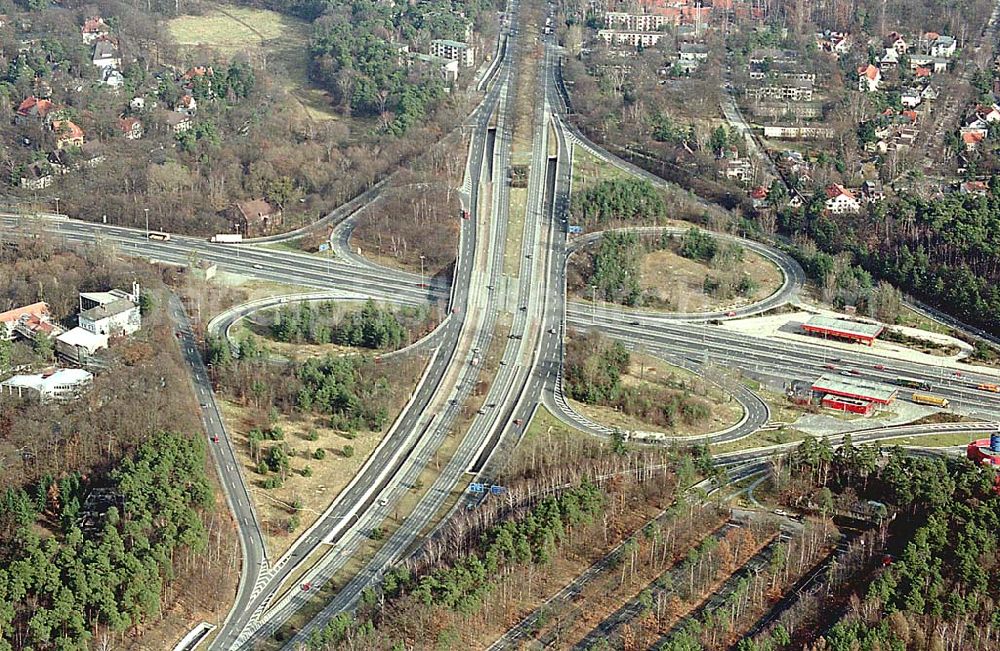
[
  {"x": 987, "y": 452},
  {"x": 829, "y": 327},
  {"x": 849, "y": 405},
  {"x": 855, "y": 388}
]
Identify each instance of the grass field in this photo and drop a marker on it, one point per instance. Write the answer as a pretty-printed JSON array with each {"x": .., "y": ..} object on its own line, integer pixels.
[{"x": 271, "y": 40}]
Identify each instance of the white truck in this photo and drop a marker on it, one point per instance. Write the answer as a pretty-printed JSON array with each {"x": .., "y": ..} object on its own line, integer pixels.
[{"x": 227, "y": 238}]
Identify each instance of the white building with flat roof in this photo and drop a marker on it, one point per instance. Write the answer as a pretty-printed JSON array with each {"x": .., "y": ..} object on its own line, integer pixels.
[
  {"x": 464, "y": 53},
  {"x": 78, "y": 345},
  {"x": 62, "y": 384}
]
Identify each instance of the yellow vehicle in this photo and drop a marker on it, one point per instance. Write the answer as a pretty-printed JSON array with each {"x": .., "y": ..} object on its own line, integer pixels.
[
  {"x": 989, "y": 387},
  {"x": 924, "y": 399}
]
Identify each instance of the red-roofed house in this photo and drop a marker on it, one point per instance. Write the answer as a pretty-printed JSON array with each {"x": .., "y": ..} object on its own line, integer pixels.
[
  {"x": 187, "y": 105},
  {"x": 67, "y": 134},
  {"x": 974, "y": 187},
  {"x": 869, "y": 78},
  {"x": 840, "y": 200},
  {"x": 988, "y": 113},
  {"x": 93, "y": 29},
  {"x": 910, "y": 115},
  {"x": 34, "y": 108},
  {"x": 131, "y": 128},
  {"x": 972, "y": 139},
  {"x": 198, "y": 71},
  {"x": 10, "y": 318},
  {"x": 255, "y": 217},
  {"x": 921, "y": 72}
]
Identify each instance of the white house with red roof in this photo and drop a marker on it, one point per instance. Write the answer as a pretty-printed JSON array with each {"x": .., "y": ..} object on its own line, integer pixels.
[
  {"x": 10, "y": 318},
  {"x": 840, "y": 200},
  {"x": 68, "y": 134},
  {"x": 131, "y": 128},
  {"x": 93, "y": 29},
  {"x": 869, "y": 78}
]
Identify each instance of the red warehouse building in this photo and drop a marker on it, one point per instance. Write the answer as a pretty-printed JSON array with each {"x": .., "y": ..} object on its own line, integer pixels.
[
  {"x": 830, "y": 327},
  {"x": 857, "y": 389},
  {"x": 849, "y": 405}
]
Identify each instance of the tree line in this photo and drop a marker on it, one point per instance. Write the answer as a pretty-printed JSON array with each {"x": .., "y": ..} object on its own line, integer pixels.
[
  {"x": 939, "y": 520},
  {"x": 942, "y": 250},
  {"x": 62, "y": 583}
]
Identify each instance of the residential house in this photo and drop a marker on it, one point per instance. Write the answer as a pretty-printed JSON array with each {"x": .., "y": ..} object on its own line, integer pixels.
[
  {"x": 895, "y": 41},
  {"x": 869, "y": 78},
  {"x": 910, "y": 98},
  {"x": 464, "y": 53},
  {"x": 840, "y": 200},
  {"x": 112, "y": 77},
  {"x": 873, "y": 191},
  {"x": 921, "y": 72},
  {"x": 255, "y": 217},
  {"x": 78, "y": 345},
  {"x": 53, "y": 385},
  {"x": 935, "y": 64},
  {"x": 972, "y": 139},
  {"x": 979, "y": 188},
  {"x": 693, "y": 52},
  {"x": 36, "y": 176},
  {"x": 631, "y": 39},
  {"x": 9, "y": 319},
  {"x": 131, "y": 128},
  {"x": 67, "y": 134},
  {"x": 187, "y": 105},
  {"x": 177, "y": 122},
  {"x": 889, "y": 60},
  {"x": 34, "y": 109},
  {"x": 988, "y": 114},
  {"x": 94, "y": 29},
  {"x": 106, "y": 54},
  {"x": 758, "y": 196},
  {"x": 197, "y": 71},
  {"x": 113, "y": 314},
  {"x": 734, "y": 168},
  {"x": 943, "y": 46},
  {"x": 138, "y": 104},
  {"x": 930, "y": 92},
  {"x": 836, "y": 43}
]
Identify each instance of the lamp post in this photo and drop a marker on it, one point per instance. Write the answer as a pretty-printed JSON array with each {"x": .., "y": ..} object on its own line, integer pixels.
[
  {"x": 422, "y": 283},
  {"x": 57, "y": 205},
  {"x": 146, "y": 210},
  {"x": 593, "y": 303}
]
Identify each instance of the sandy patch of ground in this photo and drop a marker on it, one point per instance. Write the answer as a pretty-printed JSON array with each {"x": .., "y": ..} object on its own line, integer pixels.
[{"x": 679, "y": 281}]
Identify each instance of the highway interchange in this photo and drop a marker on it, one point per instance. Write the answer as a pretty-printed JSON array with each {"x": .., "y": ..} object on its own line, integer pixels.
[{"x": 479, "y": 298}]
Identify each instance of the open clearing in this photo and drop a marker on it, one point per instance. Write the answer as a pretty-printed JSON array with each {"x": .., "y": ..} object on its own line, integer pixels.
[
  {"x": 679, "y": 281},
  {"x": 271, "y": 40},
  {"x": 652, "y": 371}
]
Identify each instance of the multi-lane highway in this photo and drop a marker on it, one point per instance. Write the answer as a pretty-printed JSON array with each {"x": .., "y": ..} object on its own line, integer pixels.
[{"x": 531, "y": 303}]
